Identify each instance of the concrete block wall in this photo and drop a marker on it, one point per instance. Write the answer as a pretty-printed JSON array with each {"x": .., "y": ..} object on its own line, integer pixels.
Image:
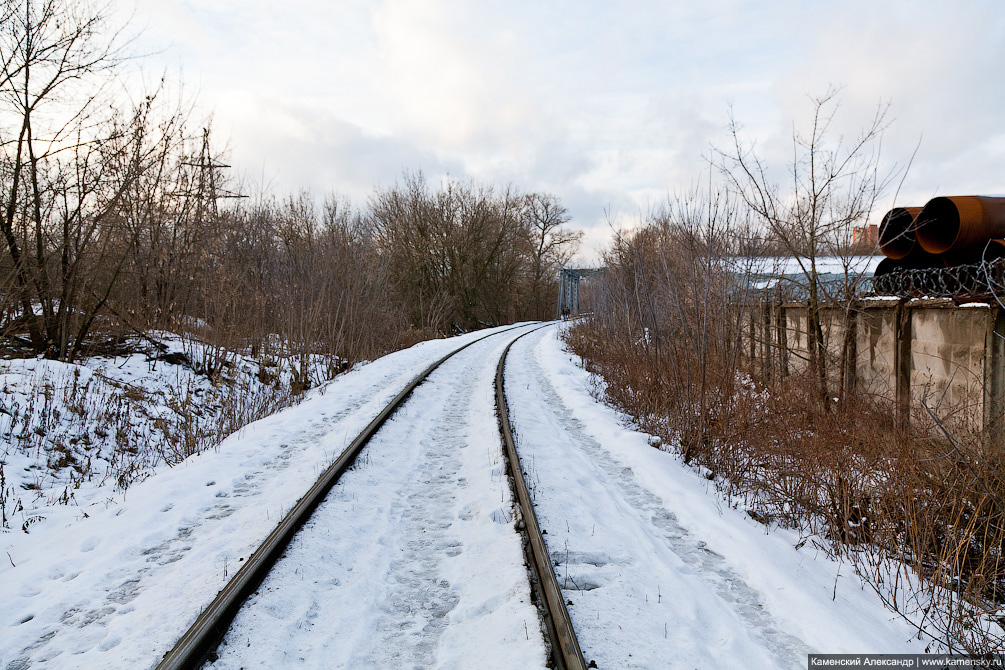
[
  {"x": 876, "y": 345},
  {"x": 907, "y": 352},
  {"x": 948, "y": 360}
]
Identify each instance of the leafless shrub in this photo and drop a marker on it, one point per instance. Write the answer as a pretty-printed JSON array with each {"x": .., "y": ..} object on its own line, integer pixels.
[
  {"x": 665, "y": 314},
  {"x": 915, "y": 506}
]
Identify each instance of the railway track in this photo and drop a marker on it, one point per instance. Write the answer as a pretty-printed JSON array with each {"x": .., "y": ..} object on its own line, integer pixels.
[
  {"x": 565, "y": 651},
  {"x": 199, "y": 644}
]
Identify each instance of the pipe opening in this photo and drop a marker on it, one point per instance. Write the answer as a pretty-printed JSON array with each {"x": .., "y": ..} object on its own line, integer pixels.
[
  {"x": 885, "y": 267},
  {"x": 896, "y": 233},
  {"x": 938, "y": 225},
  {"x": 994, "y": 250}
]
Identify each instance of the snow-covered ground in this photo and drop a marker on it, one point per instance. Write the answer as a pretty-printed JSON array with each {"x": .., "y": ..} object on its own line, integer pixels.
[
  {"x": 112, "y": 582},
  {"x": 74, "y": 434},
  {"x": 414, "y": 562},
  {"x": 659, "y": 571}
]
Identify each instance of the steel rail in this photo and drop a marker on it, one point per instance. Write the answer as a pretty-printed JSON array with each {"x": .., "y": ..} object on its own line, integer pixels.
[
  {"x": 565, "y": 651},
  {"x": 200, "y": 641}
]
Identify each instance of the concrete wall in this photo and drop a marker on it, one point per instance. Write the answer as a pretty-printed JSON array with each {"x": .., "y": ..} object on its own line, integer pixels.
[
  {"x": 833, "y": 322},
  {"x": 949, "y": 357},
  {"x": 876, "y": 345}
]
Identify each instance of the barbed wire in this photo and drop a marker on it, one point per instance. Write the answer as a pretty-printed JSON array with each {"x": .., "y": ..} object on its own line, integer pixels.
[{"x": 981, "y": 281}]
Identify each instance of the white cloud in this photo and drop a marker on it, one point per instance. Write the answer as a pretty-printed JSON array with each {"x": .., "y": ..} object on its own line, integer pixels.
[{"x": 608, "y": 105}]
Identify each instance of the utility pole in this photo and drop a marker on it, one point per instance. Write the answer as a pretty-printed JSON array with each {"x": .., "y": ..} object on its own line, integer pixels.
[{"x": 206, "y": 192}]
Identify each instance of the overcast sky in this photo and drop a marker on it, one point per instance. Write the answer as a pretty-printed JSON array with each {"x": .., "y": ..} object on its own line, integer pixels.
[{"x": 609, "y": 105}]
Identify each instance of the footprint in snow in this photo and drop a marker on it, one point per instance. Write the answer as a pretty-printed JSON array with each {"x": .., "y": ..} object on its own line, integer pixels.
[{"x": 501, "y": 515}]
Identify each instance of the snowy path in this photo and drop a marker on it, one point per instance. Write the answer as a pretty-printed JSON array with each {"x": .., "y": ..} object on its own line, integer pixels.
[
  {"x": 658, "y": 576},
  {"x": 413, "y": 561}
]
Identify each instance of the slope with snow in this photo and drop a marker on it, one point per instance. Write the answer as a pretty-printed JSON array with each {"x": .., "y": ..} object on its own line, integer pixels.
[
  {"x": 113, "y": 582},
  {"x": 73, "y": 433}
]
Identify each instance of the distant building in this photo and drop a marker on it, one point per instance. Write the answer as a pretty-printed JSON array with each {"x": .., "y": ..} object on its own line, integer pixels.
[{"x": 865, "y": 237}]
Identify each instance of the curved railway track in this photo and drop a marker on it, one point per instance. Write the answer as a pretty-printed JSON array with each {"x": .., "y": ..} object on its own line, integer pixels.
[
  {"x": 200, "y": 642},
  {"x": 565, "y": 651}
]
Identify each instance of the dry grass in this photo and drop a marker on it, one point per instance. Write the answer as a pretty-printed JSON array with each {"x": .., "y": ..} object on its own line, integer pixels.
[{"x": 919, "y": 510}]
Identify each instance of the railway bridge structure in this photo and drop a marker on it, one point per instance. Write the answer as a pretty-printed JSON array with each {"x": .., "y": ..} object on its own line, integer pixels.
[{"x": 568, "y": 289}]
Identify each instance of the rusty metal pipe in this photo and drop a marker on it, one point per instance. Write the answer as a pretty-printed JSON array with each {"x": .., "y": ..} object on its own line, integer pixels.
[
  {"x": 916, "y": 260},
  {"x": 955, "y": 223},
  {"x": 896, "y": 232},
  {"x": 886, "y": 266},
  {"x": 991, "y": 250}
]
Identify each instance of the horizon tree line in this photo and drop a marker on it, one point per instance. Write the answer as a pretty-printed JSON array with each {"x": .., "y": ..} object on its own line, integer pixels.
[{"x": 112, "y": 223}]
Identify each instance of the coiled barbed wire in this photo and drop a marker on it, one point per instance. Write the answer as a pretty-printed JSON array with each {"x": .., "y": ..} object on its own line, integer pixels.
[{"x": 981, "y": 281}]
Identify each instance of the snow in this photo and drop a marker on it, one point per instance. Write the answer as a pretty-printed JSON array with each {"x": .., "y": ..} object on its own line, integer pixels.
[
  {"x": 85, "y": 580},
  {"x": 789, "y": 265},
  {"x": 78, "y": 434},
  {"x": 413, "y": 561},
  {"x": 659, "y": 571}
]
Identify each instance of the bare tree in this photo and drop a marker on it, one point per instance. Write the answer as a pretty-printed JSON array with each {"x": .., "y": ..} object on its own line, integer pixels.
[
  {"x": 65, "y": 165},
  {"x": 670, "y": 315},
  {"x": 552, "y": 246},
  {"x": 466, "y": 255},
  {"x": 834, "y": 187}
]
